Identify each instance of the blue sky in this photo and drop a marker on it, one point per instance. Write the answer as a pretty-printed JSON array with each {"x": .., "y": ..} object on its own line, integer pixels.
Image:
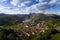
[{"x": 29, "y": 6}]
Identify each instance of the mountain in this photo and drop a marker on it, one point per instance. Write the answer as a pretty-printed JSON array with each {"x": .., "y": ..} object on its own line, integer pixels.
[
  {"x": 11, "y": 19},
  {"x": 6, "y": 19},
  {"x": 41, "y": 17}
]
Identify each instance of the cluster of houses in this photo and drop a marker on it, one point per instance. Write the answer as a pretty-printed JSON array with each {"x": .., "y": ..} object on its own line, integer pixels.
[{"x": 32, "y": 31}]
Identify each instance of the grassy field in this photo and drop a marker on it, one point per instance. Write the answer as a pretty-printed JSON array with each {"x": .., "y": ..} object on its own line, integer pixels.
[{"x": 56, "y": 36}]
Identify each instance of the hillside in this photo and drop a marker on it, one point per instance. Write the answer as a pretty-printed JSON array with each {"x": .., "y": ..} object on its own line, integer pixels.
[
  {"x": 30, "y": 27},
  {"x": 38, "y": 17},
  {"x": 11, "y": 19},
  {"x": 19, "y": 18}
]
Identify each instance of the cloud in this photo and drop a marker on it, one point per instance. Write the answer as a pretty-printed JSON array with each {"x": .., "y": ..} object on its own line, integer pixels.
[
  {"x": 22, "y": 3},
  {"x": 2, "y": 0},
  {"x": 43, "y": 5},
  {"x": 14, "y": 2},
  {"x": 46, "y": 5},
  {"x": 12, "y": 11},
  {"x": 29, "y": 6}
]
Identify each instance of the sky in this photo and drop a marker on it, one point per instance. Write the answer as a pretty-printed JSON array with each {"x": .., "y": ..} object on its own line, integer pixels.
[{"x": 30, "y": 6}]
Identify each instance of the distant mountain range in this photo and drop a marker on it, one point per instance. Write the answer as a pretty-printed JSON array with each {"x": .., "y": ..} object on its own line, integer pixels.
[
  {"x": 45, "y": 16},
  {"x": 14, "y": 19},
  {"x": 11, "y": 19}
]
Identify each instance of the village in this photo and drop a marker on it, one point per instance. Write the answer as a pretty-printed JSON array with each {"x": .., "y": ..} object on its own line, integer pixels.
[{"x": 32, "y": 30}]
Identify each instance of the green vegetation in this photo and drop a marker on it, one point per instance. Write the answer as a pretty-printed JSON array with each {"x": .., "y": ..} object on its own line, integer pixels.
[
  {"x": 48, "y": 29},
  {"x": 56, "y": 36}
]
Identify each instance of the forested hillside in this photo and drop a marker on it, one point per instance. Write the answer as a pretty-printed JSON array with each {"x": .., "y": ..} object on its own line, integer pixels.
[
  {"x": 39, "y": 27},
  {"x": 6, "y": 19}
]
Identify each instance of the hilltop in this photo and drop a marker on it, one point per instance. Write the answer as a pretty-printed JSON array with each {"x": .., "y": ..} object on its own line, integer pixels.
[{"x": 19, "y": 18}]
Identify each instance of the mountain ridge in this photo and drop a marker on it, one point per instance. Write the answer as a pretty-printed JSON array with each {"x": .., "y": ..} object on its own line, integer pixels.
[{"x": 14, "y": 19}]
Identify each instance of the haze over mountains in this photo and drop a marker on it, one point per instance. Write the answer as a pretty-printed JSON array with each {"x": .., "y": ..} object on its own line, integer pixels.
[{"x": 18, "y": 18}]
